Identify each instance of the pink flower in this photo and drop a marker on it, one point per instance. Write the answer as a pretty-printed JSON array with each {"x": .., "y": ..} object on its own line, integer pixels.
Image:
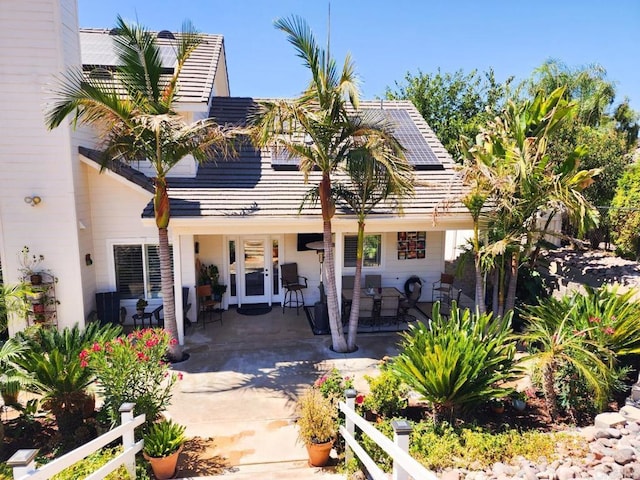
[
  {"x": 83, "y": 354},
  {"x": 609, "y": 331},
  {"x": 152, "y": 342},
  {"x": 180, "y": 376},
  {"x": 84, "y": 363},
  {"x": 142, "y": 357},
  {"x": 594, "y": 320},
  {"x": 173, "y": 341},
  {"x": 359, "y": 399},
  {"x": 96, "y": 347}
]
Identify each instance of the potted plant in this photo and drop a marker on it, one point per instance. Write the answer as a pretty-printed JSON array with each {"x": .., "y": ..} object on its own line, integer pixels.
[
  {"x": 163, "y": 443},
  {"x": 316, "y": 423},
  {"x": 29, "y": 263},
  {"x": 519, "y": 401},
  {"x": 210, "y": 275},
  {"x": 141, "y": 304},
  {"x": 497, "y": 405}
]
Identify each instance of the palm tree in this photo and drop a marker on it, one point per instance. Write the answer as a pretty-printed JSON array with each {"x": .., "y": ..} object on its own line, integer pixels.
[
  {"x": 370, "y": 183},
  {"x": 143, "y": 123},
  {"x": 510, "y": 161},
  {"x": 321, "y": 128}
]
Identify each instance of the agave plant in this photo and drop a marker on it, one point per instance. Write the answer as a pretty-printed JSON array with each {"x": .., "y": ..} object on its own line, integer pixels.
[
  {"x": 457, "y": 363},
  {"x": 163, "y": 438}
]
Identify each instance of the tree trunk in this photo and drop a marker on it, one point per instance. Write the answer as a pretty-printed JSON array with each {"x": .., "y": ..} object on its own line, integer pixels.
[
  {"x": 548, "y": 375},
  {"x": 479, "y": 284},
  {"x": 496, "y": 291},
  {"x": 337, "y": 334},
  {"x": 168, "y": 300},
  {"x": 513, "y": 282},
  {"x": 355, "y": 301}
]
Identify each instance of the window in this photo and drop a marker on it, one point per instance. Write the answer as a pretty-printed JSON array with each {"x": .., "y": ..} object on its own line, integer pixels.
[
  {"x": 138, "y": 270},
  {"x": 372, "y": 253}
]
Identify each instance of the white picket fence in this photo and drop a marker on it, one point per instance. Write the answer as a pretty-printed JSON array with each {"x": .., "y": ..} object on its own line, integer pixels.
[
  {"x": 23, "y": 461},
  {"x": 404, "y": 466}
]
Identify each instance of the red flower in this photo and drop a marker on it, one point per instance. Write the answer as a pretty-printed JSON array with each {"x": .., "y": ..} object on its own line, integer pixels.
[
  {"x": 180, "y": 376},
  {"x": 96, "y": 347},
  {"x": 83, "y": 354},
  {"x": 142, "y": 356},
  {"x": 609, "y": 331},
  {"x": 152, "y": 342},
  {"x": 84, "y": 363},
  {"x": 173, "y": 342},
  {"x": 359, "y": 399}
]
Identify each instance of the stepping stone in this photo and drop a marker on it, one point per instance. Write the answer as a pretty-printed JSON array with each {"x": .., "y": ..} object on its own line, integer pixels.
[{"x": 609, "y": 420}]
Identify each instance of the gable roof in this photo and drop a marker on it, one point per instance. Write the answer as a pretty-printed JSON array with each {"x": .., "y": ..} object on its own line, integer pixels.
[
  {"x": 247, "y": 186},
  {"x": 196, "y": 79}
]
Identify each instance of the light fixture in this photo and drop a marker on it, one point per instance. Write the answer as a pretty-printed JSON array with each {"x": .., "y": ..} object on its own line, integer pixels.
[{"x": 33, "y": 200}]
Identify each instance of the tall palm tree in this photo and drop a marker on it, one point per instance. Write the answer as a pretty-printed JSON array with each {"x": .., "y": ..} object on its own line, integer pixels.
[
  {"x": 136, "y": 116},
  {"x": 371, "y": 182},
  {"x": 320, "y": 128}
]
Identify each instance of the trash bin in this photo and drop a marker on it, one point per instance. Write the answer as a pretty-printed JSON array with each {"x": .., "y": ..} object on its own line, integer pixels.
[{"x": 108, "y": 307}]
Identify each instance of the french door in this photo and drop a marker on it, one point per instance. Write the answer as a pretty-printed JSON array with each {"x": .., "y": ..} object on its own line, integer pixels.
[{"x": 255, "y": 270}]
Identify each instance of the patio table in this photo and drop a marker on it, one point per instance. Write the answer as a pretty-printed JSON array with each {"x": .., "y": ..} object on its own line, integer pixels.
[{"x": 376, "y": 295}]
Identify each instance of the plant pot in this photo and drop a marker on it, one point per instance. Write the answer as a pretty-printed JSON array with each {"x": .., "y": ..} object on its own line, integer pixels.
[
  {"x": 319, "y": 453},
  {"x": 164, "y": 467},
  {"x": 38, "y": 308},
  {"x": 518, "y": 404},
  {"x": 10, "y": 396},
  {"x": 35, "y": 279},
  {"x": 497, "y": 408}
]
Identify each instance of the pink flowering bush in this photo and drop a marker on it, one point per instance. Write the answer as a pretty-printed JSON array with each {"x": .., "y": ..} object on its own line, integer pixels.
[
  {"x": 132, "y": 369},
  {"x": 332, "y": 385}
]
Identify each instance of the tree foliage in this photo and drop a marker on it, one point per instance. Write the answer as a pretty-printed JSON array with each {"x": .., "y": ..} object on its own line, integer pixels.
[
  {"x": 453, "y": 104},
  {"x": 625, "y": 213}
]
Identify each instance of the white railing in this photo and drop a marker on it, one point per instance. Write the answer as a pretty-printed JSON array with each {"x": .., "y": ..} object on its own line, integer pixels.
[
  {"x": 23, "y": 461},
  {"x": 404, "y": 466}
]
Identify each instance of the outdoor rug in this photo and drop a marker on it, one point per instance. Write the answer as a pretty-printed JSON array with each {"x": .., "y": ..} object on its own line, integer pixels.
[
  {"x": 362, "y": 328},
  {"x": 252, "y": 310}
]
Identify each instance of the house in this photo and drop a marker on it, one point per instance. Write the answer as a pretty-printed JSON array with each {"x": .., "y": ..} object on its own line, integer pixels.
[{"x": 97, "y": 232}]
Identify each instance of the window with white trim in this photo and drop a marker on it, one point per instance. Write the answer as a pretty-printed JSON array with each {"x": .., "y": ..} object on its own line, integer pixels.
[
  {"x": 137, "y": 269},
  {"x": 372, "y": 254}
]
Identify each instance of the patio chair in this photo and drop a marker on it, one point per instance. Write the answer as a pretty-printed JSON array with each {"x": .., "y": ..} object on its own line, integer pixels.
[
  {"x": 441, "y": 289},
  {"x": 445, "y": 307},
  {"x": 293, "y": 285},
  {"x": 207, "y": 307},
  {"x": 373, "y": 281},
  {"x": 389, "y": 310},
  {"x": 348, "y": 281},
  {"x": 367, "y": 311}
]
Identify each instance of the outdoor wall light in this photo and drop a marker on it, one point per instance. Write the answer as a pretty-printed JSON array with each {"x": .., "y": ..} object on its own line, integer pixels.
[{"x": 33, "y": 201}]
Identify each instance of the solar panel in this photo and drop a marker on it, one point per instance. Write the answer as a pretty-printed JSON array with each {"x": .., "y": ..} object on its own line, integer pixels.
[
  {"x": 418, "y": 151},
  {"x": 98, "y": 49}
]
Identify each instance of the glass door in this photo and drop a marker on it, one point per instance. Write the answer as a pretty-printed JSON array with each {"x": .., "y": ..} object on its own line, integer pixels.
[{"x": 256, "y": 287}]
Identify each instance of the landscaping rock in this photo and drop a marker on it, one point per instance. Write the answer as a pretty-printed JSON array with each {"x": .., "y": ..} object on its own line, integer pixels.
[
  {"x": 609, "y": 419},
  {"x": 631, "y": 470},
  {"x": 451, "y": 475},
  {"x": 624, "y": 456}
]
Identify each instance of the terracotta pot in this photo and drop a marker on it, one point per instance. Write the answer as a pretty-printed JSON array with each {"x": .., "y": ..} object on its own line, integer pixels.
[
  {"x": 164, "y": 467},
  {"x": 319, "y": 453}
]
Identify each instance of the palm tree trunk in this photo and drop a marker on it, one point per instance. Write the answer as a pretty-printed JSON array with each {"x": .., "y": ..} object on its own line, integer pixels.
[
  {"x": 168, "y": 300},
  {"x": 355, "y": 302},
  {"x": 335, "y": 324},
  {"x": 513, "y": 282},
  {"x": 550, "y": 397},
  {"x": 496, "y": 290},
  {"x": 479, "y": 284}
]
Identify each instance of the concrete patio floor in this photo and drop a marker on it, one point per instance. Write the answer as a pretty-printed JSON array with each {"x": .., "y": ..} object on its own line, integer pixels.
[{"x": 243, "y": 377}]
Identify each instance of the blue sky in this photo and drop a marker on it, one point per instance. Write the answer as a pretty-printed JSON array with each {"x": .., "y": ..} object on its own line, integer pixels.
[{"x": 389, "y": 38}]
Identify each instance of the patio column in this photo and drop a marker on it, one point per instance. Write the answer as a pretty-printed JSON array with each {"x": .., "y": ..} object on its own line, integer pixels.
[{"x": 183, "y": 250}]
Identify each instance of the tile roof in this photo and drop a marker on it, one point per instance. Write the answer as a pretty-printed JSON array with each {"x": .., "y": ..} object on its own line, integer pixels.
[
  {"x": 247, "y": 185},
  {"x": 197, "y": 77}
]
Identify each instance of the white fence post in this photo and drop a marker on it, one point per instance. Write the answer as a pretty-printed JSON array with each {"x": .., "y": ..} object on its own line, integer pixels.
[
  {"x": 401, "y": 431},
  {"x": 350, "y": 395},
  {"x": 128, "y": 437},
  {"x": 23, "y": 462}
]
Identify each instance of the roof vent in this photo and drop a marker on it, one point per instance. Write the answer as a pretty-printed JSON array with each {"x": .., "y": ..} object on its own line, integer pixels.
[
  {"x": 166, "y": 34},
  {"x": 115, "y": 31},
  {"x": 100, "y": 74}
]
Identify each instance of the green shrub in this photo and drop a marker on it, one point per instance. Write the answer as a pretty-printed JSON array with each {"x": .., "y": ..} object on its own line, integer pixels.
[
  {"x": 625, "y": 213},
  {"x": 387, "y": 396},
  {"x": 443, "y": 446},
  {"x": 92, "y": 463},
  {"x": 574, "y": 343},
  {"x": 459, "y": 362},
  {"x": 332, "y": 385}
]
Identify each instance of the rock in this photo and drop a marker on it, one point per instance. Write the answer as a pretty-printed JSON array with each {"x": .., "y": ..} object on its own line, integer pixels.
[
  {"x": 603, "y": 433},
  {"x": 614, "y": 433},
  {"x": 609, "y": 419},
  {"x": 624, "y": 456},
  {"x": 588, "y": 433},
  {"x": 502, "y": 469},
  {"x": 600, "y": 450},
  {"x": 565, "y": 473},
  {"x": 631, "y": 470},
  {"x": 630, "y": 412},
  {"x": 451, "y": 475},
  {"x": 632, "y": 427},
  {"x": 528, "y": 472}
]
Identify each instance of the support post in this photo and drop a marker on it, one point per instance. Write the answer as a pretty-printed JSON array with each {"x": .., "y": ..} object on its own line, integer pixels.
[
  {"x": 128, "y": 437},
  {"x": 23, "y": 462},
  {"x": 401, "y": 431},
  {"x": 350, "y": 395}
]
